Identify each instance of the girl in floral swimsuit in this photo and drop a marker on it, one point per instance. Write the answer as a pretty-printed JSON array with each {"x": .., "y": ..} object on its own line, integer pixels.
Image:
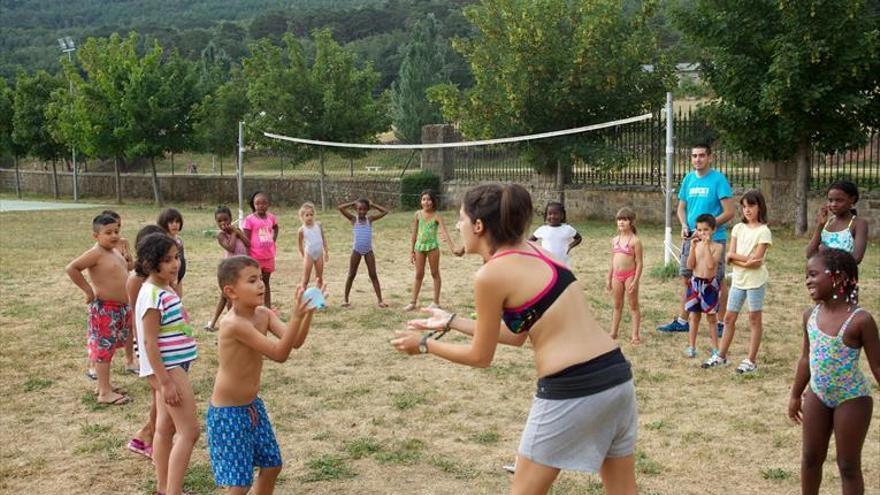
[{"x": 839, "y": 397}]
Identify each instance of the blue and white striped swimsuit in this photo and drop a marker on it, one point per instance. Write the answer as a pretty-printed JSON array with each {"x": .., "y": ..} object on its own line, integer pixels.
[{"x": 363, "y": 236}]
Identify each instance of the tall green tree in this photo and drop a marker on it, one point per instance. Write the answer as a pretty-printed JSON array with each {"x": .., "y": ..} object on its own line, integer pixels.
[
  {"x": 330, "y": 100},
  {"x": 217, "y": 118},
  {"x": 98, "y": 120},
  {"x": 423, "y": 66},
  {"x": 160, "y": 98},
  {"x": 6, "y": 112},
  {"x": 543, "y": 65},
  {"x": 30, "y": 129},
  {"x": 790, "y": 76}
]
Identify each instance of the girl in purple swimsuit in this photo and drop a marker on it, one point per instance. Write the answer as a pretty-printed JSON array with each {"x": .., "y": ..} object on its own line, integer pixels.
[{"x": 362, "y": 245}]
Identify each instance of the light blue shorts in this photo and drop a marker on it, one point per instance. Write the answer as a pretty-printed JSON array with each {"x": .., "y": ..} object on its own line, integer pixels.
[
  {"x": 737, "y": 297},
  {"x": 239, "y": 439}
]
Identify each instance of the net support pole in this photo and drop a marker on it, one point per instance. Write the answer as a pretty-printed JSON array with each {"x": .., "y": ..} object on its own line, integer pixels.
[
  {"x": 667, "y": 233},
  {"x": 240, "y": 172},
  {"x": 323, "y": 202}
]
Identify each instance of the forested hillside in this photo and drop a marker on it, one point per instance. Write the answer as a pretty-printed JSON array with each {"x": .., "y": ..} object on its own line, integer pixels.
[{"x": 374, "y": 29}]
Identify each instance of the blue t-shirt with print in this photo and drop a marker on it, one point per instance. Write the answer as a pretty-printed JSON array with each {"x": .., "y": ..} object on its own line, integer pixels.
[{"x": 704, "y": 195}]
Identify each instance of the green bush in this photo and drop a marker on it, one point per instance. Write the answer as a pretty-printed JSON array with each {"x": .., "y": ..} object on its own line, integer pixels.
[
  {"x": 412, "y": 185},
  {"x": 665, "y": 272}
]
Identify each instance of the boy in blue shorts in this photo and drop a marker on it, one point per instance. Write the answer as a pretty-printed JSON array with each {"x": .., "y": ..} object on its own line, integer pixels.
[
  {"x": 702, "y": 294},
  {"x": 240, "y": 436}
]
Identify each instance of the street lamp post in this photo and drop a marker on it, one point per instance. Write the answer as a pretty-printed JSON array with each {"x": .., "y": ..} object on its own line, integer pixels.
[{"x": 68, "y": 47}]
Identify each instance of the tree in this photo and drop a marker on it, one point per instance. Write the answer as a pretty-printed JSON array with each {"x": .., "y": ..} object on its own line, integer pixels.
[
  {"x": 218, "y": 115},
  {"x": 331, "y": 100},
  {"x": 160, "y": 96},
  {"x": 97, "y": 119},
  {"x": 30, "y": 128},
  {"x": 423, "y": 66},
  {"x": 6, "y": 143},
  {"x": 545, "y": 65},
  {"x": 790, "y": 76}
]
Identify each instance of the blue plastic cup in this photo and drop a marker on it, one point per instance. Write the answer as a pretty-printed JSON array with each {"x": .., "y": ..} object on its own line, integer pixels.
[{"x": 315, "y": 298}]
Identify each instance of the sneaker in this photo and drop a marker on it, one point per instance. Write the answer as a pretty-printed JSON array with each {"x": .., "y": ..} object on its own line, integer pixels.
[
  {"x": 746, "y": 366},
  {"x": 674, "y": 326},
  {"x": 714, "y": 362},
  {"x": 690, "y": 352},
  {"x": 720, "y": 329}
]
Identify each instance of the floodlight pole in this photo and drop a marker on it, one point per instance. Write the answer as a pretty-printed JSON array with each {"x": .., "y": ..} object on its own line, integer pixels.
[
  {"x": 240, "y": 172},
  {"x": 68, "y": 47},
  {"x": 667, "y": 234}
]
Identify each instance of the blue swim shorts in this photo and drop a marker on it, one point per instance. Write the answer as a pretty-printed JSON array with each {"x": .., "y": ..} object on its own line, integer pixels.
[{"x": 239, "y": 439}]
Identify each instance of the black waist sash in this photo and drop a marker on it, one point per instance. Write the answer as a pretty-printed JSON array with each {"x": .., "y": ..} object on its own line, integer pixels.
[{"x": 590, "y": 377}]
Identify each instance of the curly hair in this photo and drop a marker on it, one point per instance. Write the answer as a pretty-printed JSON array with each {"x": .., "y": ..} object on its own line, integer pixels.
[{"x": 150, "y": 251}]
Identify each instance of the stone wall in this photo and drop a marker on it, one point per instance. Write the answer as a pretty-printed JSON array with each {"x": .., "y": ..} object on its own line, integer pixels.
[
  {"x": 205, "y": 189},
  {"x": 580, "y": 201}
]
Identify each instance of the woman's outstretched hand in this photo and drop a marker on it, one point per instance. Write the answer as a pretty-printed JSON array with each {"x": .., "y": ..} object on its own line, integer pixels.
[
  {"x": 435, "y": 321},
  {"x": 407, "y": 342}
]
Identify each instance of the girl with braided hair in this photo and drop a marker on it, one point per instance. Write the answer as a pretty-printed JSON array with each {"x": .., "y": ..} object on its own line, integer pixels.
[{"x": 839, "y": 396}]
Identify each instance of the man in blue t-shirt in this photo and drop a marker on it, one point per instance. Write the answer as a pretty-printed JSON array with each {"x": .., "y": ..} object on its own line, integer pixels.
[{"x": 703, "y": 190}]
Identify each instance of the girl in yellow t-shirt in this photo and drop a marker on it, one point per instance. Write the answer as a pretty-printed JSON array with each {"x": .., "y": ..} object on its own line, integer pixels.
[{"x": 748, "y": 245}]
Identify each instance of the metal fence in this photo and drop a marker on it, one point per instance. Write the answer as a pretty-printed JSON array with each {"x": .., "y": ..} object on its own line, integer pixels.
[{"x": 634, "y": 155}]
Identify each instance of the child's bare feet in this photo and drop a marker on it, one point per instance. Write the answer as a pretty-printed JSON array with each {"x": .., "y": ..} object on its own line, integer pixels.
[
  {"x": 345, "y": 304},
  {"x": 635, "y": 340},
  {"x": 409, "y": 307},
  {"x": 614, "y": 336},
  {"x": 383, "y": 304}
]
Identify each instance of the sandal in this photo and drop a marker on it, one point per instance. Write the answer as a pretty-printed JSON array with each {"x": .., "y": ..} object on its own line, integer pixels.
[
  {"x": 119, "y": 401},
  {"x": 138, "y": 446},
  {"x": 91, "y": 375}
]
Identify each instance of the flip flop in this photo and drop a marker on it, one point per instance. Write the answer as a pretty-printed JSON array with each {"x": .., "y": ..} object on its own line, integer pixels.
[
  {"x": 133, "y": 370},
  {"x": 138, "y": 446},
  {"x": 119, "y": 401}
]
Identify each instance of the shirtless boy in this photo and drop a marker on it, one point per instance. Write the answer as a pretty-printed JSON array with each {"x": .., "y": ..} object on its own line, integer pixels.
[
  {"x": 240, "y": 436},
  {"x": 109, "y": 313}
]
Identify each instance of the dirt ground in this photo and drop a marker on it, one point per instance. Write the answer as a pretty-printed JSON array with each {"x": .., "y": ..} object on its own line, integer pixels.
[{"x": 354, "y": 416}]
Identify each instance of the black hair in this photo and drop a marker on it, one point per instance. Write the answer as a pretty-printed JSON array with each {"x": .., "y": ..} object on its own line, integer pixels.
[
  {"x": 848, "y": 188},
  {"x": 229, "y": 269},
  {"x": 505, "y": 211},
  {"x": 167, "y": 216},
  {"x": 704, "y": 145},
  {"x": 555, "y": 204},
  {"x": 708, "y": 219},
  {"x": 362, "y": 201},
  {"x": 103, "y": 220},
  {"x": 754, "y": 197},
  {"x": 626, "y": 213},
  {"x": 145, "y": 231},
  {"x": 431, "y": 194},
  {"x": 254, "y": 196},
  {"x": 150, "y": 251},
  {"x": 223, "y": 209},
  {"x": 112, "y": 214},
  {"x": 842, "y": 267}
]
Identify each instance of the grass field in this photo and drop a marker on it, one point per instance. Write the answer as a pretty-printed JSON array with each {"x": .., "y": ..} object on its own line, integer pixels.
[{"x": 354, "y": 416}]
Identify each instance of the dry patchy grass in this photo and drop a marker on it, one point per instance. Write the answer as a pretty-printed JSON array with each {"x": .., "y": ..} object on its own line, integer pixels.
[{"x": 353, "y": 416}]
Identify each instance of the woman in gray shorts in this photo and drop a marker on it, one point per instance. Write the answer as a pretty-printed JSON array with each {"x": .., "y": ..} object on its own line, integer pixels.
[{"x": 584, "y": 414}]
